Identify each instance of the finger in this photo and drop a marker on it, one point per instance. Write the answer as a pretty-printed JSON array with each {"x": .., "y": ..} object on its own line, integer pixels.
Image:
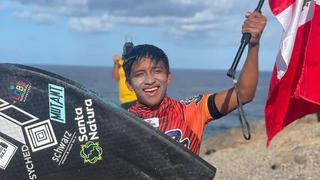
[
  {"x": 257, "y": 26},
  {"x": 247, "y": 14},
  {"x": 255, "y": 16},
  {"x": 253, "y": 31},
  {"x": 255, "y": 22},
  {"x": 247, "y": 27},
  {"x": 261, "y": 19}
]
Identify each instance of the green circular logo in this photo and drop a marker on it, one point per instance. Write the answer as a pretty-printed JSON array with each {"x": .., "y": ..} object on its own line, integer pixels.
[{"x": 91, "y": 152}]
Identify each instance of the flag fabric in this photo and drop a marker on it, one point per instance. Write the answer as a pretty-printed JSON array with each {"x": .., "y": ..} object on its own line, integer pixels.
[{"x": 295, "y": 83}]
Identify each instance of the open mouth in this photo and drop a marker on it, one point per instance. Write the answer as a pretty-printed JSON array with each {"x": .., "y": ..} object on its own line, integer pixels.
[{"x": 151, "y": 91}]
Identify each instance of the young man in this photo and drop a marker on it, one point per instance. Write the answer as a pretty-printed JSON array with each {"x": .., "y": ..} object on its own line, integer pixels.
[
  {"x": 127, "y": 97},
  {"x": 148, "y": 74}
]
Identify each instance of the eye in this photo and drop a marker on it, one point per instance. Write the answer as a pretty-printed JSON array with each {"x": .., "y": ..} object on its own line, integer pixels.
[
  {"x": 138, "y": 74},
  {"x": 158, "y": 70}
]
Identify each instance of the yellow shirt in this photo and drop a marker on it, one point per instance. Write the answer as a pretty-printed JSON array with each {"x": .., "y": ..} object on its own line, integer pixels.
[{"x": 125, "y": 95}]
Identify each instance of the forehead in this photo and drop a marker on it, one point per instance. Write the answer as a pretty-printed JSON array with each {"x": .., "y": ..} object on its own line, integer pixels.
[{"x": 147, "y": 62}]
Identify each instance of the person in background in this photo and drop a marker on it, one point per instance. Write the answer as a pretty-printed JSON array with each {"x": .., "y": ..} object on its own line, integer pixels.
[
  {"x": 148, "y": 74},
  {"x": 127, "y": 97}
]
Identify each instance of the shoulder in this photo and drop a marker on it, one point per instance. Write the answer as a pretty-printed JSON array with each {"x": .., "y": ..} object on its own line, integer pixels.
[
  {"x": 194, "y": 99},
  {"x": 173, "y": 106}
]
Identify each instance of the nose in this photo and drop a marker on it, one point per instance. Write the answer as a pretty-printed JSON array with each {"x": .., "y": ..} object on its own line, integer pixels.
[{"x": 150, "y": 79}]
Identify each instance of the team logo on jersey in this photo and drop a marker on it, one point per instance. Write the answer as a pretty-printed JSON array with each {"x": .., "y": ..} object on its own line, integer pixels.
[
  {"x": 195, "y": 99},
  {"x": 176, "y": 134},
  {"x": 91, "y": 152},
  {"x": 153, "y": 121}
]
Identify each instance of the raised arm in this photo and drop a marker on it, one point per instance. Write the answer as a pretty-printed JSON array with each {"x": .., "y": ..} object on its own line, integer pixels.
[
  {"x": 226, "y": 101},
  {"x": 115, "y": 71}
]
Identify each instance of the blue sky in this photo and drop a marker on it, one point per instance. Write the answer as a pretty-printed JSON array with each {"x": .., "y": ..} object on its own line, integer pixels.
[{"x": 201, "y": 34}]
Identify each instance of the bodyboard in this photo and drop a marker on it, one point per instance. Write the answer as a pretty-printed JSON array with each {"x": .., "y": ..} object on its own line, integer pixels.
[{"x": 54, "y": 128}]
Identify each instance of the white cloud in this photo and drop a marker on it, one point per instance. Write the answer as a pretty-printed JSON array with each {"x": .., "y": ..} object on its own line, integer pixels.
[
  {"x": 91, "y": 24},
  {"x": 5, "y": 4},
  {"x": 21, "y": 14},
  {"x": 179, "y": 17},
  {"x": 76, "y": 2},
  {"x": 41, "y": 18}
]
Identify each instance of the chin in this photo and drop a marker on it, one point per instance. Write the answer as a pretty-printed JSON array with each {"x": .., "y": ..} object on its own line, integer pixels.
[{"x": 152, "y": 103}]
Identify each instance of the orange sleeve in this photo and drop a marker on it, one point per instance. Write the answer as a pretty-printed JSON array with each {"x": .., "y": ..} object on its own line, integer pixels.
[{"x": 196, "y": 113}]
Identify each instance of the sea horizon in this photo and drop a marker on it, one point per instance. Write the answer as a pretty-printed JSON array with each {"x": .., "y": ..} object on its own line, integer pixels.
[{"x": 199, "y": 81}]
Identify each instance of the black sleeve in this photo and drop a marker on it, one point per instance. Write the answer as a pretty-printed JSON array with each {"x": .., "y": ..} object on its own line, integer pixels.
[{"x": 213, "y": 108}]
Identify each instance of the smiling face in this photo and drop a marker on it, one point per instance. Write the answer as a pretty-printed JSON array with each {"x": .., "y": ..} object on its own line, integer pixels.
[{"x": 149, "y": 80}]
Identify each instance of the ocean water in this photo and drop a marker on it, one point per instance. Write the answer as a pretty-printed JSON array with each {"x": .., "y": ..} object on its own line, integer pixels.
[{"x": 186, "y": 83}]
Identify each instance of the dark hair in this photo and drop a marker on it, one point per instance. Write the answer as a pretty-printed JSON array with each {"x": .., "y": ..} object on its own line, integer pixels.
[
  {"x": 138, "y": 52},
  {"x": 127, "y": 47}
]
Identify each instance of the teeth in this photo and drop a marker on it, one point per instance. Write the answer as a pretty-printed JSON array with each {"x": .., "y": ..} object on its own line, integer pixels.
[{"x": 152, "y": 89}]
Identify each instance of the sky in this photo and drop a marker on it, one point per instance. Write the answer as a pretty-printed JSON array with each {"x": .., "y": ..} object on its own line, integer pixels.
[{"x": 195, "y": 34}]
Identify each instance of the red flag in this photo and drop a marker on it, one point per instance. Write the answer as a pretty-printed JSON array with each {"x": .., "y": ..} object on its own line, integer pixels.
[{"x": 295, "y": 84}]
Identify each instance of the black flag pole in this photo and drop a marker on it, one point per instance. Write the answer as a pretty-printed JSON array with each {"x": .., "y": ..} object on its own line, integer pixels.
[
  {"x": 231, "y": 73},
  {"x": 244, "y": 41}
]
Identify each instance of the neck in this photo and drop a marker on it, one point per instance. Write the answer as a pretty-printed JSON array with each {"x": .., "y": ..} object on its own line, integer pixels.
[{"x": 154, "y": 107}]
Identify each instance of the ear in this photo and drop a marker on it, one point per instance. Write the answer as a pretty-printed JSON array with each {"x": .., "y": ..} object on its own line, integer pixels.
[
  {"x": 129, "y": 86},
  {"x": 169, "y": 78}
]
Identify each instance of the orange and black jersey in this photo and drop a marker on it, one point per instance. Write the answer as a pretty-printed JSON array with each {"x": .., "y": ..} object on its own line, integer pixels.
[{"x": 184, "y": 121}]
